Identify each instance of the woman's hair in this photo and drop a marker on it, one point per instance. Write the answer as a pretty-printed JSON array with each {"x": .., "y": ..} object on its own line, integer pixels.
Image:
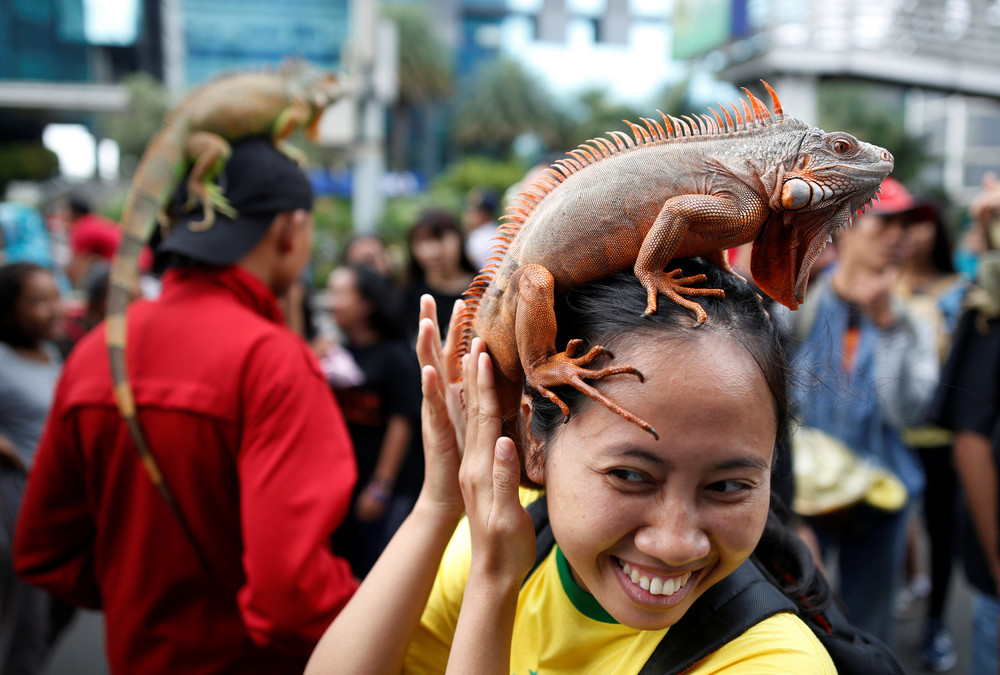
[
  {"x": 12, "y": 278},
  {"x": 435, "y": 223},
  {"x": 376, "y": 289},
  {"x": 941, "y": 254},
  {"x": 610, "y": 312}
]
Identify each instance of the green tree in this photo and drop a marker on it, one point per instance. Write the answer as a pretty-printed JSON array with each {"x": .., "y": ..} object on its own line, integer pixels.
[
  {"x": 597, "y": 115},
  {"x": 25, "y": 160},
  {"x": 133, "y": 129},
  {"x": 503, "y": 102},
  {"x": 425, "y": 74}
]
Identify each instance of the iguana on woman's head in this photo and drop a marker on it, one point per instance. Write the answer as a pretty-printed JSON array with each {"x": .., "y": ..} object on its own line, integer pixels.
[
  {"x": 194, "y": 141},
  {"x": 689, "y": 187}
]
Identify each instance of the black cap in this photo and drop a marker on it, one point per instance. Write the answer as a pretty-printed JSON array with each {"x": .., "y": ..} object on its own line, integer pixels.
[{"x": 259, "y": 181}]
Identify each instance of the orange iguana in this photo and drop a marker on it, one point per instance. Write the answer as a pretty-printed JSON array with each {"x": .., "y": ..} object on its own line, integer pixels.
[
  {"x": 195, "y": 136},
  {"x": 689, "y": 187}
]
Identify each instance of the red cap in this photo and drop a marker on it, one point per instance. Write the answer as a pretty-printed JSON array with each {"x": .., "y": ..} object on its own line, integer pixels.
[{"x": 894, "y": 199}]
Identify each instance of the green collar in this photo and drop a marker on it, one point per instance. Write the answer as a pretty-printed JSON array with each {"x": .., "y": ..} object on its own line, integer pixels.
[{"x": 584, "y": 602}]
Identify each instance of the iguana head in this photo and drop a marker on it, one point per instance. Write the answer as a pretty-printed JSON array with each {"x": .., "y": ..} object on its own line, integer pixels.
[
  {"x": 317, "y": 87},
  {"x": 830, "y": 180}
]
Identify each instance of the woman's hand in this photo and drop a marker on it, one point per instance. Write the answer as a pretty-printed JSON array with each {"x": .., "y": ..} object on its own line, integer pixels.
[
  {"x": 371, "y": 504},
  {"x": 430, "y": 352},
  {"x": 441, "y": 393},
  {"x": 503, "y": 536}
]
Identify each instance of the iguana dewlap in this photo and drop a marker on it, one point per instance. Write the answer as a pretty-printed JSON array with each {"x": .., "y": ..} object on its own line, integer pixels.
[
  {"x": 688, "y": 187},
  {"x": 194, "y": 140}
]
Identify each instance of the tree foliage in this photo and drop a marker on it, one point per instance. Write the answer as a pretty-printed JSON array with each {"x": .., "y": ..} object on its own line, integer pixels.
[
  {"x": 502, "y": 103},
  {"x": 25, "y": 160},
  {"x": 425, "y": 72},
  {"x": 597, "y": 115},
  {"x": 133, "y": 129}
]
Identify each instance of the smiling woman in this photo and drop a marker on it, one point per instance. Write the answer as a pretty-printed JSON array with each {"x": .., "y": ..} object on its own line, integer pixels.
[{"x": 643, "y": 526}]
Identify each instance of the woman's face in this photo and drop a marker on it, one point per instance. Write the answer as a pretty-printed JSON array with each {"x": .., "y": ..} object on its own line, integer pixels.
[
  {"x": 346, "y": 304},
  {"x": 371, "y": 252},
  {"x": 920, "y": 239},
  {"x": 438, "y": 253},
  {"x": 40, "y": 309},
  {"x": 648, "y": 525}
]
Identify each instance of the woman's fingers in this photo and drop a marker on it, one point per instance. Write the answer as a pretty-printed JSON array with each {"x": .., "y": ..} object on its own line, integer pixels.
[
  {"x": 506, "y": 478},
  {"x": 435, "y": 410},
  {"x": 452, "y": 368},
  {"x": 428, "y": 345}
]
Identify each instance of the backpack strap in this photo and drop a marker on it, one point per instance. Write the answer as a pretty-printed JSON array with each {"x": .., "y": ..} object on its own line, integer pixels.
[
  {"x": 544, "y": 540},
  {"x": 724, "y": 612}
]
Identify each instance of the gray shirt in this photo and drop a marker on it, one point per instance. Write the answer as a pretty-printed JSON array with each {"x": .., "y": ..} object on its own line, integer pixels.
[{"x": 26, "y": 391}]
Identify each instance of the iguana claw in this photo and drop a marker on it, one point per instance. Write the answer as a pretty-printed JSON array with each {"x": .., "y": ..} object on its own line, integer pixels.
[
  {"x": 566, "y": 369},
  {"x": 213, "y": 201},
  {"x": 669, "y": 285}
]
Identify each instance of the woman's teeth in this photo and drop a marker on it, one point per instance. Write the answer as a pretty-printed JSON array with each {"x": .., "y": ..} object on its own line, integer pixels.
[{"x": 655, "y": 585}]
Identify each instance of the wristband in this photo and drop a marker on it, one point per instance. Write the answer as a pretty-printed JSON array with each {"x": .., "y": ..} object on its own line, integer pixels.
[{"x": 376, "y": 490}]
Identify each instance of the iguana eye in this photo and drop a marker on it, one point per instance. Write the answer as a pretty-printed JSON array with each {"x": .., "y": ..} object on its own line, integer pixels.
[{"x": 840, "y": 146}]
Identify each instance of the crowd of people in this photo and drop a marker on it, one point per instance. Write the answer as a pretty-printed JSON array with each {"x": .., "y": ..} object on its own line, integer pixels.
[{"x": 315, "y": 494}]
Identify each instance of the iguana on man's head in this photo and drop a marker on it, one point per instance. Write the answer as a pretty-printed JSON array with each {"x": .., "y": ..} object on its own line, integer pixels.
[
  {"x": 194, "y": 140},
  {"x": 689, "y": 187}
]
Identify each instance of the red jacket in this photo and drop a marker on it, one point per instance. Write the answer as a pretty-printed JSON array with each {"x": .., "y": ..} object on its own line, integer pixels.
[{"x": 250, "y": 441}]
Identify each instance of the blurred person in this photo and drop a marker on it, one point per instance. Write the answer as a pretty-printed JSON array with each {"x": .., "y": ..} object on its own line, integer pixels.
[
  {"x": 95, "y": 299},
  {"x": 92, "y": 237},
  {"x": 369, "y": 250},
  {"x": 246, "y": 433},
  {"x": 932, "y": 290},
  {"x": 382, "y": 411},
  {"x": 438, "y": 267},
  {"x": 866, "y": 370},
  {"x": 968, "y": 403},
  {"x": 30, "y": 321},
  {"x": 479, "y": 221},
  {"x": 23, "y": 236}
]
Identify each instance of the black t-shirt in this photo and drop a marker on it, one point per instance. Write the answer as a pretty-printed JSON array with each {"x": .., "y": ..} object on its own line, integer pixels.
[
  {"x": 968, "y": 399},
  {"x": 391, "y": 387},
  {"x": 410, "y": 308}
]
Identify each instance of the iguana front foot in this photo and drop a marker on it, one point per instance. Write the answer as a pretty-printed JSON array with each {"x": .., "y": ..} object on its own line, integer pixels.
[
  {"x": 668, "y": 284},
  {"x": 212, "y": 200},
  {"x": 567, "y": 369}
]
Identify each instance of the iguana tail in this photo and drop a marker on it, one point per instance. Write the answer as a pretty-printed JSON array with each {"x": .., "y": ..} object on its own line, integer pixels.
[{"x": 159, "y": 173}]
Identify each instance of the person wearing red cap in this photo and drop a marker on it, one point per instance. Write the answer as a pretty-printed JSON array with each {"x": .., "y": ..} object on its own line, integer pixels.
[
  {"x": 92, "y": 238},
  {"x": 866, "y": 368},
  {"x": 246, "y": 433}
]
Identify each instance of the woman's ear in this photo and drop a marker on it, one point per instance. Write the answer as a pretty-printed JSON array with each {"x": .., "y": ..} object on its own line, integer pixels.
[{"x": 534, "y": 456}]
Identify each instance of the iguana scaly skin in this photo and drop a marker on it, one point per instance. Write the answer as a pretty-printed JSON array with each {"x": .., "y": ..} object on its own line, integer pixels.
[
  {"x": 689, "y": 187},
  {"x": 196, "y": 136}
]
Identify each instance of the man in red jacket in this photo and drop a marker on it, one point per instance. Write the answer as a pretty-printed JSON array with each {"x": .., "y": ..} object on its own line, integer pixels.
[{"x": 240, "y": 419}]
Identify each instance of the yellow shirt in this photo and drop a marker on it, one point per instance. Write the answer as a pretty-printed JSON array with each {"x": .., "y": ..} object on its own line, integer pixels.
[{"x": 561, "y": 629}]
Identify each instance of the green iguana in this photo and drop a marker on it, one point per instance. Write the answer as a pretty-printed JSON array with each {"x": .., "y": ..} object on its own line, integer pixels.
[
  {"x": 689, "y": 187},
  {"x": 195, "y": 136}
]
